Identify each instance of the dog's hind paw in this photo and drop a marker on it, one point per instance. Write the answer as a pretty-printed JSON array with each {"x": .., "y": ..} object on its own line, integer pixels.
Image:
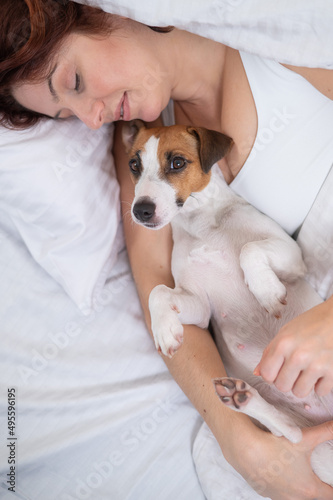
[
  {"x": 271, "y": 295},
  {"x": 232, "y": 392},
  {"x": 240, "y": 396}
]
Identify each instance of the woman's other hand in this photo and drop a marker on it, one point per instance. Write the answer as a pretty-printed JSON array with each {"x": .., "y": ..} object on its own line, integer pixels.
[
  {"x": 279, "y": 469},
  {"x": 300, "y": 357}
]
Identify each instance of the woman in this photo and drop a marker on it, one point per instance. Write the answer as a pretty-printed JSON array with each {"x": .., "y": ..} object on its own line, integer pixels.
[{"x": 80, "y": 61}]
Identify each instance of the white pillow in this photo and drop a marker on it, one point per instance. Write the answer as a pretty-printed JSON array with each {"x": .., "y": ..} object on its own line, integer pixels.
[
  {"x": 58, "y": 188},
  {"x": 290, "y": 32}
]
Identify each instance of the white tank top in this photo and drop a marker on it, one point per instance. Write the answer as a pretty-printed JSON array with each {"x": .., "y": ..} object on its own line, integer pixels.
[{"x": 293, "y": 150}]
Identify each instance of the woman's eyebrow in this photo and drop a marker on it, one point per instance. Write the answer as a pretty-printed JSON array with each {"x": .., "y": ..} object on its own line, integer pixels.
[{"x": 53, "y": 93}]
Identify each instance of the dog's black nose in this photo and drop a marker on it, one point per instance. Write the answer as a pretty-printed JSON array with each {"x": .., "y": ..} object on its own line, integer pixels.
[{"x": 144, "y": 210}]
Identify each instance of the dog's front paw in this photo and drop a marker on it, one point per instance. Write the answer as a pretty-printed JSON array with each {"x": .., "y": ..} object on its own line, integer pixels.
[
  {"x": 168, "y": 334},
  {"x": 271, "y": 294},
  {"x": 167, "y": 329}
]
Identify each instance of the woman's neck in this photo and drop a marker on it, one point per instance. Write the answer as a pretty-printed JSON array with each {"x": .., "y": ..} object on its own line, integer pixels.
[{"x": 197, "y": 78}]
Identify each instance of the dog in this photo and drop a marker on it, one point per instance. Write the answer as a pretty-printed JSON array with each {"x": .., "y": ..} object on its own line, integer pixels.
[{"x": 232, "y": 265}]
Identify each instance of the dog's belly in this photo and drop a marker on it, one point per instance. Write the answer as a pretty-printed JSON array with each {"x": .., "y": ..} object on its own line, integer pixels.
[
  {"x": 241, "y": 341},
  {"x": 240, "y": 358},
  {"x": 242, "y": 328}
]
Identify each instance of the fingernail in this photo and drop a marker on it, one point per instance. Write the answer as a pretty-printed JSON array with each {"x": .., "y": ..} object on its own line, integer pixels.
[{"x": 256, "y": 371}]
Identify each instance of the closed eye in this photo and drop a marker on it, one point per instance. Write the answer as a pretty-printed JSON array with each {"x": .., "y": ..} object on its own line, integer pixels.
[{"x": 77, "y": 82}]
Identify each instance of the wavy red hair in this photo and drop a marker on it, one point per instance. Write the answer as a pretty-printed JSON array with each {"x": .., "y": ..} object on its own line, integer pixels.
[{"x": 31, "y": 32}]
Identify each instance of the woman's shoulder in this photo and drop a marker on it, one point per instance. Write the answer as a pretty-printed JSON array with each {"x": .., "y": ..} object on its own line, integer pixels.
[{"x": 321, "y": 79}]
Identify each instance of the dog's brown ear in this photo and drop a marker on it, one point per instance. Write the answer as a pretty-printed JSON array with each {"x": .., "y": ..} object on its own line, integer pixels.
[
  {"x": 129, "y": 132},
  {"x": 212, "y": 146}
]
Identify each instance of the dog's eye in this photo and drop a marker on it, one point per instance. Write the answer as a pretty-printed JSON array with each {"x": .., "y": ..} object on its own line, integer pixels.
[
  {"x": 134, "y": 166},
  {"x": 177, "y": 163}
]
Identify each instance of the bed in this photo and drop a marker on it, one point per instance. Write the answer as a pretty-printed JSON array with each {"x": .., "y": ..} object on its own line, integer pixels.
[{"x": 88, "y": 409}]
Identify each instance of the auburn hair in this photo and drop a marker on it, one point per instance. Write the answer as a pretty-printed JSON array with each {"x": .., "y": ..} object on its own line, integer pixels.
[{"x": 31, "y": 32}]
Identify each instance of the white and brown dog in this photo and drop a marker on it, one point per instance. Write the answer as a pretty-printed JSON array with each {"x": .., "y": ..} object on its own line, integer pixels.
[{"x": 231, "y": 264}]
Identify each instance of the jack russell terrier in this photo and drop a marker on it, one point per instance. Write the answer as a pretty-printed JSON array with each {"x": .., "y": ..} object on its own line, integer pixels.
[{"x": 231, "y": 265}]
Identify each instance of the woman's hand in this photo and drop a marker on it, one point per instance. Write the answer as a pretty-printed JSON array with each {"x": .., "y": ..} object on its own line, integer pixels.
[
  {"x": 300, "y": 357},
  {"x": 278, "y": 469}
]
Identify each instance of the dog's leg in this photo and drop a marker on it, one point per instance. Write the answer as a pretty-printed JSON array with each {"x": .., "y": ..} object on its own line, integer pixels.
[
  {"x": 267, "y": 261},
  {"x": 241, "y": 397},
  {"x": 321, "y": 461},
  {"x": 169, "y": 308}
]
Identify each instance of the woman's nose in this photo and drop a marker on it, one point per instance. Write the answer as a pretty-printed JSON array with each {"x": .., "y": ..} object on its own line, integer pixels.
[{"x": 92, "y": 114}]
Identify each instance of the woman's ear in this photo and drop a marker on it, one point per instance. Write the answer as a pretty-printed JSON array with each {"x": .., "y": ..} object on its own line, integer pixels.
[
  {"x": 130, "y": 131},
  {"x": 212, "y": 146}
]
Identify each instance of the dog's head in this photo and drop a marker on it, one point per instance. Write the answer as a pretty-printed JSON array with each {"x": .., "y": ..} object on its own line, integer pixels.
[{"x": 168, "y": 164}]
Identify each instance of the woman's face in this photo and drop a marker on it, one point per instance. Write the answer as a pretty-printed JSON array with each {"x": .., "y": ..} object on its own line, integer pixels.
[{"x": 103, "y": 80}]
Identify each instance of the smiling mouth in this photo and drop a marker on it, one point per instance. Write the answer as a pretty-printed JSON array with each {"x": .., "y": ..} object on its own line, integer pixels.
[{"x": 124, "y": 110}]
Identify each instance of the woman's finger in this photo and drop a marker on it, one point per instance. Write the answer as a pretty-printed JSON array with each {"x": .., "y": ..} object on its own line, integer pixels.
[
  {"x": 324, "y": 386},
  {"x": 269, "y": 365},
  {"x": 288, "y": 377}
]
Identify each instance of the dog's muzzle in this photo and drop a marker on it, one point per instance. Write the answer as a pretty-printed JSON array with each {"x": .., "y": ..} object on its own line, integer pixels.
[{"x": 144, "y": 210}]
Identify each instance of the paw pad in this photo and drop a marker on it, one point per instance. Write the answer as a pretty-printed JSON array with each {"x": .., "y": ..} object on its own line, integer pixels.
[{"x": 232, "y": 392}]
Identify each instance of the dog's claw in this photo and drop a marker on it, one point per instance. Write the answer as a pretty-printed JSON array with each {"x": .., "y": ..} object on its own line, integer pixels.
[
  {"x": 172, "y": 351},
  {"x": 169, "y": 350}
]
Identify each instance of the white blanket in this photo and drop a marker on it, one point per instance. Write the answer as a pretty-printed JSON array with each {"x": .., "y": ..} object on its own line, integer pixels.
[
  {"x": 316, "y": 240},
  {"x": 290, "y": 31},
  {"x": 97, "y": 415}
]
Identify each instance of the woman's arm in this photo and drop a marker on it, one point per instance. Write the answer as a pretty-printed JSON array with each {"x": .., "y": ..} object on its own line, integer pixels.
[
  {"x": 320, "y": 78},
  {"x": 249, "y": 449}
]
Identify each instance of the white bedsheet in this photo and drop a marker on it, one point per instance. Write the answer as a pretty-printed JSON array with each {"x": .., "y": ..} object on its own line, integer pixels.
[
  {"x": 290, "y": 31},
  {"x": 97, "y": 414}
]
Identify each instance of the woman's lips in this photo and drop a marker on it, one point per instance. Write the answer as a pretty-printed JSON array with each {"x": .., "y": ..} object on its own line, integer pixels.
[
  {"x": 123, "y": 109},
  {"x": 126, "y": 108}
]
